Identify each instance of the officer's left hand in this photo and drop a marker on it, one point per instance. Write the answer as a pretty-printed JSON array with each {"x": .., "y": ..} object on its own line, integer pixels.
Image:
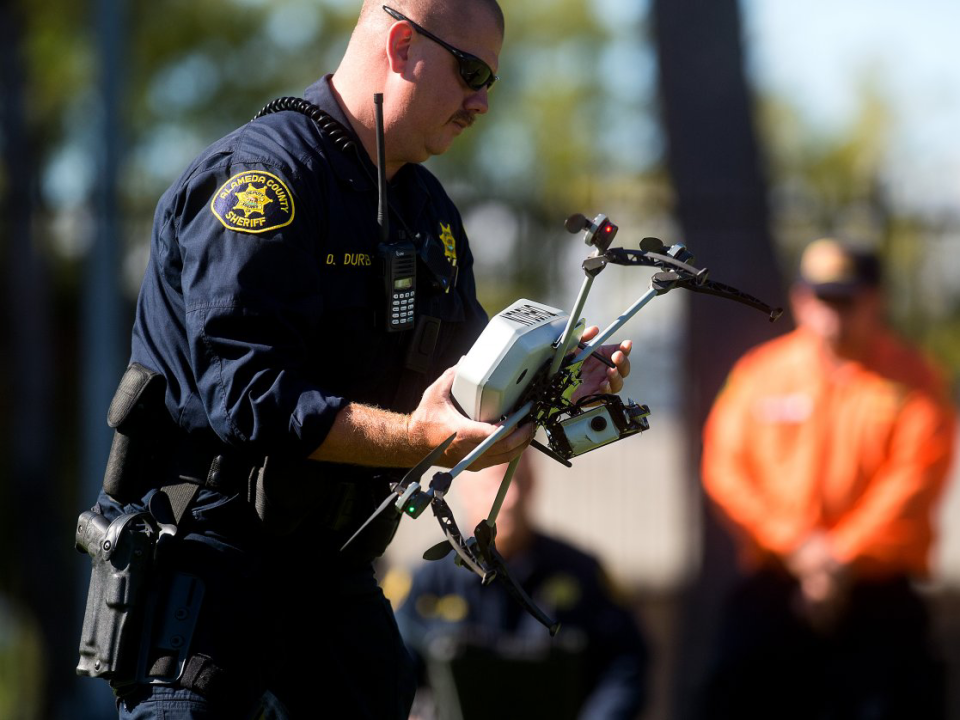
[{"x": 597, "y": 377}]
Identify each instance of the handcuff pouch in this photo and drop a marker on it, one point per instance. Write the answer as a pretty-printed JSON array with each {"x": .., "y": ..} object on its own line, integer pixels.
[{"x": 140, "y": 421}]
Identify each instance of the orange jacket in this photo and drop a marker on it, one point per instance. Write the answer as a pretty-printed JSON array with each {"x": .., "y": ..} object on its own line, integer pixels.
[{"x": 795, "y": 444}]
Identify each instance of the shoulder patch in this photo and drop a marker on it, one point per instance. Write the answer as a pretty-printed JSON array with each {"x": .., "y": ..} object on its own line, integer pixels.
[{"x": 253, "y": 201}]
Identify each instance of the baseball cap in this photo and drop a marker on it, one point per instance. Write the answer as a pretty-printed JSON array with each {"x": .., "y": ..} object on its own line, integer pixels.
[{"x": 835, "y": 269}]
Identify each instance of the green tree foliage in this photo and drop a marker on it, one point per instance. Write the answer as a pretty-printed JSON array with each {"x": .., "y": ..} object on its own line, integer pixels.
[{"x": 560, "y": 138}]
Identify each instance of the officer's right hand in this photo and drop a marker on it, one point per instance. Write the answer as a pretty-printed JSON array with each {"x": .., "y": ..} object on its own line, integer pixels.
[{"x": 436, "y": 418}]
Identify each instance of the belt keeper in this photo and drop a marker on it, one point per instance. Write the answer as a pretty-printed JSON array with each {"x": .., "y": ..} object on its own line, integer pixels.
[{"x": 215, "y": 474}]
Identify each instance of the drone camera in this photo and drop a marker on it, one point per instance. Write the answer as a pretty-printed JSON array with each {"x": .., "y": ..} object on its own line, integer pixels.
[
  {"x": 588, "y": 431},
  {"x": 595, "y": 427}
]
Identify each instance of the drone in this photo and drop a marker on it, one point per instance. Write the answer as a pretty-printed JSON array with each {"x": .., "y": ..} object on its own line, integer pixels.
[{"x": 525, "y": 368}]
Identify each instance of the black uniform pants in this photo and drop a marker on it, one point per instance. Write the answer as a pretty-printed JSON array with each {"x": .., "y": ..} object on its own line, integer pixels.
[{"x": 347, "y": 659}]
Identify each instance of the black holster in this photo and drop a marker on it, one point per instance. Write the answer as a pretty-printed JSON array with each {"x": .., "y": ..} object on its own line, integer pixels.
[
  {"x": 139, "y": 619},
  {"x": 123, "y": 554}
]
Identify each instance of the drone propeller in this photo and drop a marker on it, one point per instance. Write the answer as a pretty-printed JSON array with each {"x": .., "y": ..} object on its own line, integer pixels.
[
  {"x": 406, "y": 487},
  {"x": 486, "y": 534},
  {"x": 428, "y": 462},
  {"x": 438, "y": 551},
  {"x": 651, "y": 244},
  {"x": 681, "y": 274},
  {"x": 731, "y": 293},
  {"x": 390, "y": 500}
]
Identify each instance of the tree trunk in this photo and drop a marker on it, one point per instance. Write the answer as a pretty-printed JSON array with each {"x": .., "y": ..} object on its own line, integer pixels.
[
  {"x": 32, "y": 530},
  {"x": 716, "y": 168}
]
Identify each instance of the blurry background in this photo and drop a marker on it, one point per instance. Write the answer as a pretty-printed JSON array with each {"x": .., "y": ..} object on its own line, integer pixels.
[{"x": 743, "y": 129}]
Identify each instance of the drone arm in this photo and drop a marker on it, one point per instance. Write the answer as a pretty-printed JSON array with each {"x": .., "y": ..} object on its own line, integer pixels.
[
  {"x": 688, "y": 276},
  {"x": 445, "y": 517},
  {"x": 623, "y": 256},
  {"x": 615, "y": 325},
  {"x": 566, "y": 340},
  {"x": 502, "y": 492},
  {"x": 511, "y": 422}
]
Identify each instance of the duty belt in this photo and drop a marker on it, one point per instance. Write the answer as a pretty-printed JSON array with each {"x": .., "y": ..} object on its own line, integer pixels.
[
  {"x": 283, "y": 492},
  {"x": 225, "y": 473}
]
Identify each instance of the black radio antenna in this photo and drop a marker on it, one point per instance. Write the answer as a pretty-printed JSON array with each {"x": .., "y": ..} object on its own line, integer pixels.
[{"x": 382, "y": 215}]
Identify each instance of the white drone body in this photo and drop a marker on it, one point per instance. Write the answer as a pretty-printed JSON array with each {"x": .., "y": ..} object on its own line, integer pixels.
[{"x": 517, "y": 342}]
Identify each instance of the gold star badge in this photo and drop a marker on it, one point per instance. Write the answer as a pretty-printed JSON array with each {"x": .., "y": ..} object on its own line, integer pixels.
[
  {"x": 449, "y": 243},
  {"x": 252, "y": 199}
]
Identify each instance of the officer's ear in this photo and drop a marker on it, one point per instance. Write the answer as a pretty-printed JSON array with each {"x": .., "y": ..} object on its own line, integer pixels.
[{"x": 399, "y": 40}]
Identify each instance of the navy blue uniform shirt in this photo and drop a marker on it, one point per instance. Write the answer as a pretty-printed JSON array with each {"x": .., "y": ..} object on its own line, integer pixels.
[{"x": 263, "y": 298}]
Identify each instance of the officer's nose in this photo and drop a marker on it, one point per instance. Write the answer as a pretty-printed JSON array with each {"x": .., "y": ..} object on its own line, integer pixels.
[{"x": 478, "y": 101}]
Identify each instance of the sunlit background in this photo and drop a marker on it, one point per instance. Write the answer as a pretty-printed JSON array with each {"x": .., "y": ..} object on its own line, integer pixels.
[{"x": 744, "y": 129}]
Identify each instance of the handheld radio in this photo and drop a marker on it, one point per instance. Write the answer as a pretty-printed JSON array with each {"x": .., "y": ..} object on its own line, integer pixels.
[
  {"x": 400, "y": 281},
  {"x": 399, "y": 260}
]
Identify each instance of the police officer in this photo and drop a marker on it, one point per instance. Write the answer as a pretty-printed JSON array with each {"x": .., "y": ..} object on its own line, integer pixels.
[{"x": 288, "y": 401}]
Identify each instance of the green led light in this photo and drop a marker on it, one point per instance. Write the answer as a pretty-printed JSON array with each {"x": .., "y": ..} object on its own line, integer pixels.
[{"x": 411, "y": 509}]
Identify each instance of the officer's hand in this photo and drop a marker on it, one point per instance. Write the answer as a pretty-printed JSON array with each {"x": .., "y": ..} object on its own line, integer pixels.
[
  {"x": 597, "y": 377},
  {"x": 436, "y": 418}
]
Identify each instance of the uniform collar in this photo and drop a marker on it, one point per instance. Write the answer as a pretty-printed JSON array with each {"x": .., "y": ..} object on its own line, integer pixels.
[
  {"x": 321, "y": 95},
  {"x": 356, "y": 168},
  {"x": 353, "y": 168}
]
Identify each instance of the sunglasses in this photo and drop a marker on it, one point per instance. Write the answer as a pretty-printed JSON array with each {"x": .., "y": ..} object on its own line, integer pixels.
[{"x": 474, "y": 71}]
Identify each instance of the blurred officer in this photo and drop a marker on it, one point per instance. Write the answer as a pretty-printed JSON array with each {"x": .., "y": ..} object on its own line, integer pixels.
[
  {"x": 481, "y": 654},
  {"x": 300, "y": 368},
  {"x": 827, "y": 451}
]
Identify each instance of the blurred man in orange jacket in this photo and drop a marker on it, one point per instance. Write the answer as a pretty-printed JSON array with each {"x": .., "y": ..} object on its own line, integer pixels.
[{"x": 827, "y": 451}]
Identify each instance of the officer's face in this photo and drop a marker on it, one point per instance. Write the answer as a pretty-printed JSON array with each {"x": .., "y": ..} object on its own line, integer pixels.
[{"x": 438, "y": 105}]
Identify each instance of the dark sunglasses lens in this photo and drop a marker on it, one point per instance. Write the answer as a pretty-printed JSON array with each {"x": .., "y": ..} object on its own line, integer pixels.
[{"x": 476, "y": 73}]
